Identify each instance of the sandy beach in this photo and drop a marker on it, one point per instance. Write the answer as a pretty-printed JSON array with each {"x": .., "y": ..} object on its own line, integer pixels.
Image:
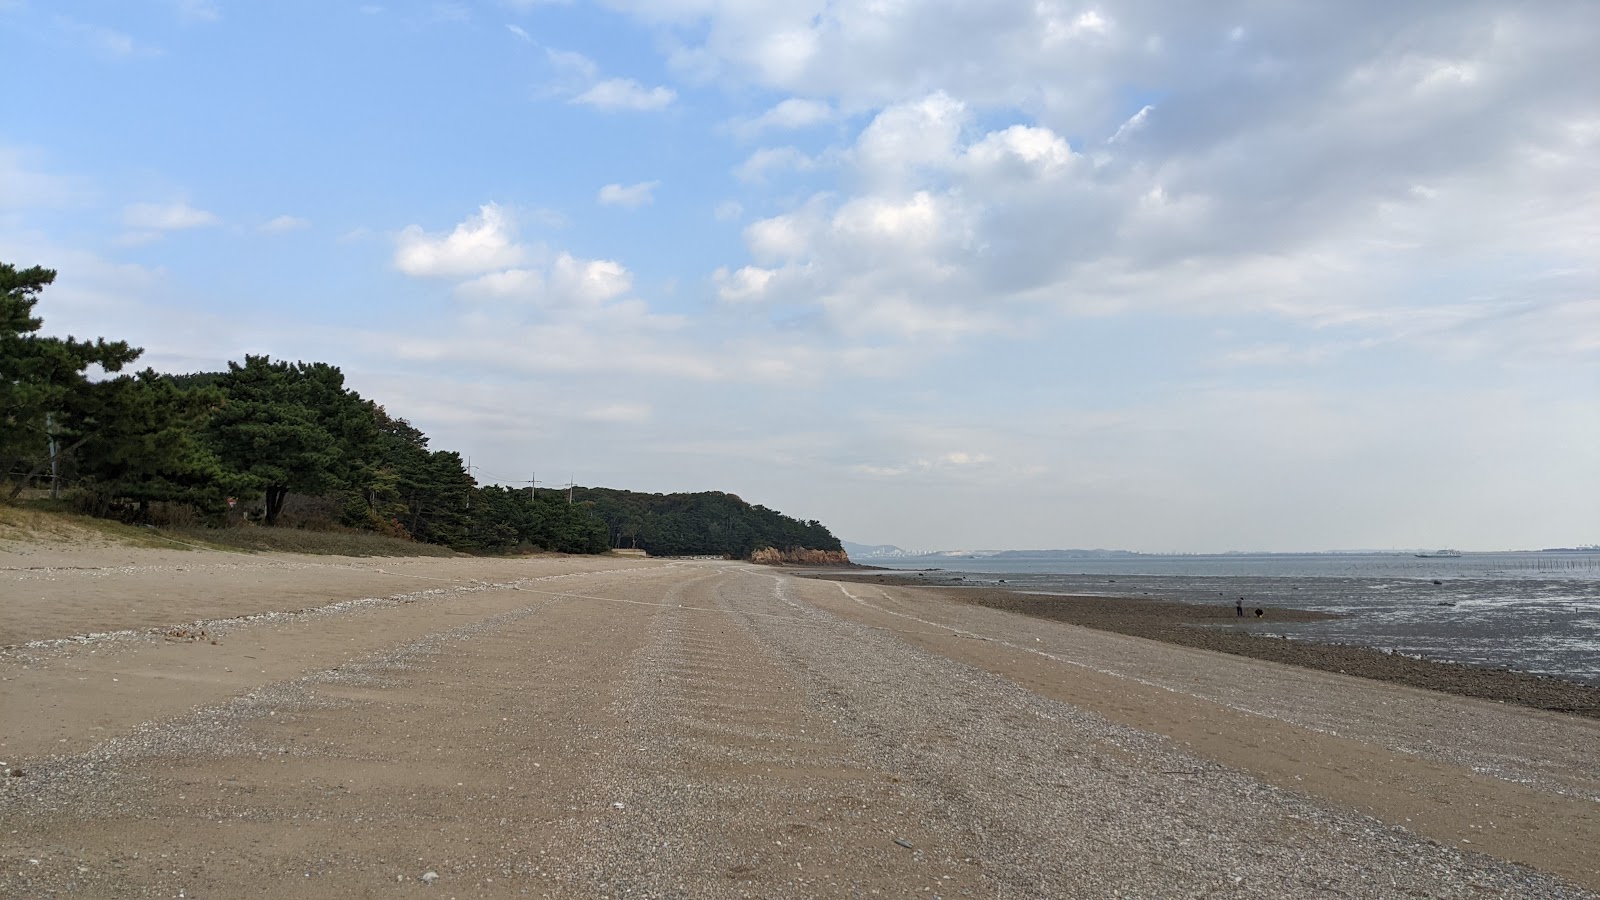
[{"x": 209, "y": 724}]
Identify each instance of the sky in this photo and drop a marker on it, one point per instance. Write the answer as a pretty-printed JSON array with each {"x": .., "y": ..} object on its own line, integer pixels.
[{"x": 1159, "y": 276}]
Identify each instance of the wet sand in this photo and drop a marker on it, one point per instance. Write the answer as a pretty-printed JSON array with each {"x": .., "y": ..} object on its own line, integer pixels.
[{"x": 1219, "y": 628}]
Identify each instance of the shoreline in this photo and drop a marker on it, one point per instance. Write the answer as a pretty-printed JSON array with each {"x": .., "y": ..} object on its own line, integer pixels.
[
  {"x": 368, "y": 722},
  {"x": 1196, "y": 626}
]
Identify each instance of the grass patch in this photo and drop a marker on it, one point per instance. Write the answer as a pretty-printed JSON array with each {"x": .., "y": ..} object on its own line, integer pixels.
[
  {"x": 46, "y": 521},
  {"x": 295, "y": 540},
  {"x": 52, "y": 522}
]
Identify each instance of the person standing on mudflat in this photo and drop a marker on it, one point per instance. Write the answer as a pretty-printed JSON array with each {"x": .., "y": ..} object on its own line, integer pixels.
[{"x": 1238, "y": 608}]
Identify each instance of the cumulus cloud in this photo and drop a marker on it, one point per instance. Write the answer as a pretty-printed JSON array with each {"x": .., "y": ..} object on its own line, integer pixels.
[
  {"x": 910, "y": 136},
  {"x": 760, "y": 164},
  {"x": 1237, "y": 197},
  {"x": 744, "y": 284},
  {"x": 588, "y": 282},
  {"x": 1019, "y": 153},
  {"x": 579, "y": 79},
  {"x": 625, "y": 94},
  {"x": 1362, "y": 188},
  {"x": 631, "y": 196},
  {"x": 791, "y": 114},
  {"x": 487, "y": 240},
  {"x": 568, "y": 283},
  {"x": 783, "y": 238}
]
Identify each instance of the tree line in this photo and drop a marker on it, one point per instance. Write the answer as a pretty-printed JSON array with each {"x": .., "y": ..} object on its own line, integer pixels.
[
  {"x": 256, "y": 440},
  {"x": 708, "y": 523}
]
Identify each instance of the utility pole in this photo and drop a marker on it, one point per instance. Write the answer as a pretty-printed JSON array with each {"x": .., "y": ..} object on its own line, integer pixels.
[
  {"x": 55, "y": 473},
  {"x": 570, "y": 482},
  {"x": 533, "y": 479}
]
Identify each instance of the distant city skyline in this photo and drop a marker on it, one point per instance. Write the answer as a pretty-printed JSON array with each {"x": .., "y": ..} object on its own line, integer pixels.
[{"x": 1157, "y": 276}]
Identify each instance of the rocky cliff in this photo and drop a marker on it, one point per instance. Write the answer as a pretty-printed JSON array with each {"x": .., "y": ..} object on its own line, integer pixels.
[{"x": 799, "y": 556}]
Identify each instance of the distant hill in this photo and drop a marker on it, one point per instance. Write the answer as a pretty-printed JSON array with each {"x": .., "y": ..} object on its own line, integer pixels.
[
  {"x": 708, "y": 523},
  {"x": 871, "y": 551},
  {"x": 859, "y": 552}
]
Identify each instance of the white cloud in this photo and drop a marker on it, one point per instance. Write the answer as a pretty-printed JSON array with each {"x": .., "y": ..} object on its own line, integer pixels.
[
  {"x": 788, "y": 115},
  {"x": 915, "y": 223},
  {"x": 1224, "y": 203},
  {"x": 588, "y": 282},
  {"x": 767, "y": 160},
  {"x": 1087, "y": 24},
  {"x": 285, "y": 223},
  {"x": 485, "y": 241},
  {"x": 1391, "y": 206},
  {"x": 780, "y": 238},
  {"x": 908, "y": 136},
  {"x": 572, "y": 63},
  {"x": 954, "y": 463},
  {"x": 625, "y": 93},
  {"x": 1134, "y": 123},
  {"x": 568, "y": 283},
  {"x": 175, "y": 216},
  {"x": 520, "y": 32},
  {"x": 509, "y": 284},
  {"x": 630, "y": 196},
  {"x": 749, "y": 283},
  {"x": 1022, "y": 152},
  {"x": 578, "y": 78}
]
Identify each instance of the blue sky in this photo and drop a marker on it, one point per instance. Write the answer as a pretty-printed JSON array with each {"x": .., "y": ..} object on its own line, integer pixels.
[{"x": 946, "y": 275}]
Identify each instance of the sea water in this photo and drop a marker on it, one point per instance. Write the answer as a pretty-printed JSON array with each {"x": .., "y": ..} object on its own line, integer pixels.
[{"x": 1534, "y": 612}]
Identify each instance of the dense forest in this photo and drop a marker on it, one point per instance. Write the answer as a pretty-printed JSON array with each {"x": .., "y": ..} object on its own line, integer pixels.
[
  {"x": 281, "y": 444},
  {"x": 699, "y": 524}
]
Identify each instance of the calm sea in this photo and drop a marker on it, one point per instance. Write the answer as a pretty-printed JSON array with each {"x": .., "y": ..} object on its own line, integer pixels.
[{"x": 1536, "y": 612}]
